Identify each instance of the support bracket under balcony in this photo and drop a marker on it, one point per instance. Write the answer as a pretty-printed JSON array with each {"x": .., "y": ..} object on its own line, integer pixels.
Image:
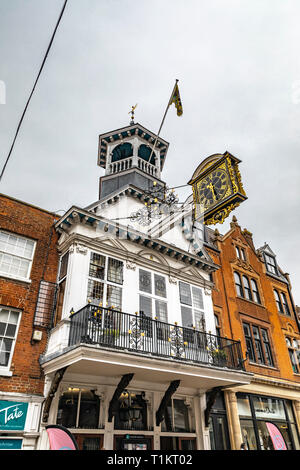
[
  {"x": 53, "y": 389},
  {"x": 114, "y": 401},
  {"x": 160, "y": 414}
]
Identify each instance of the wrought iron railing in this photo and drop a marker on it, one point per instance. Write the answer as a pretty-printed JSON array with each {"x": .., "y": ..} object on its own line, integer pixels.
[{"x": 140, "y": 334}]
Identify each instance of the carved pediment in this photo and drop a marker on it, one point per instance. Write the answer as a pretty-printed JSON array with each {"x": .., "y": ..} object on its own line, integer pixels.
[
  {"x": 149, "y": 255},
  {"x": 113, "y": 242}
]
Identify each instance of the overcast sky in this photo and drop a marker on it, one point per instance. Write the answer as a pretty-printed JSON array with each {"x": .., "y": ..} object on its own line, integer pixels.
[{"x": 238, "y": 66}]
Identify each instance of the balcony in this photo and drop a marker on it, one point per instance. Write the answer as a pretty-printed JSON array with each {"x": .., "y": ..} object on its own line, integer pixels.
[{"x": 139, "y": 334}]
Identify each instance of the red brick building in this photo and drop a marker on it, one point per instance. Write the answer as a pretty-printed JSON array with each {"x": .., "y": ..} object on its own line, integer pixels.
[
  {"x": 253, "y": 304},
  {"x": 28, "y": 268}
]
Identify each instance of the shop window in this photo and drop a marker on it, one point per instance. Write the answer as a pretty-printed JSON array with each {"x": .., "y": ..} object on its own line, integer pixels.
[
  {"x": 16, "y": 255},
  {"x": 258, "y": 344},
  {"x": 176, "y": 416},
  {"x": 132, "y": 411},
  {"x": 105, "y": 280},
  {"x": 9, "y": 324},
  {"x": 79, "y": 408},
  {"x": 257, "y": 412},
  {"x": 294, "y": 353}
]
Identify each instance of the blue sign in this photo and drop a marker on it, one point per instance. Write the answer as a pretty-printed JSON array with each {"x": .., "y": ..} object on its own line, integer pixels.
[
  {"x": 8, "y": 444},
  {"x": 12, "y": 415}
]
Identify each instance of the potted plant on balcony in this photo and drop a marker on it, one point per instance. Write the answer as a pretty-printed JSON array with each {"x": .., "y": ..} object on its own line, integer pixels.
[
  {"x": 110, "y": 335},
  {"x": 219, "y": 356}
]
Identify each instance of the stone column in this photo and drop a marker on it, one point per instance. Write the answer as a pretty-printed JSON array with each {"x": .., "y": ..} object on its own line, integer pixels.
[
  {"x": 233, "y": 420},
  {"x": 203, "y": 441}
]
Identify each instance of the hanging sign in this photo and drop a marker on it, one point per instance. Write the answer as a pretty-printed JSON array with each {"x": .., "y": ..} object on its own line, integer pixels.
[
  {"x": 12, "y": 415},
  {"x": 276, "y": 436}
]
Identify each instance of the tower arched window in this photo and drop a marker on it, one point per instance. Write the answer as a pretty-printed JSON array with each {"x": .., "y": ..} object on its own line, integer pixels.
[
  {"x": 144, "y": 152},
  {"x": 121, "y": 152}
]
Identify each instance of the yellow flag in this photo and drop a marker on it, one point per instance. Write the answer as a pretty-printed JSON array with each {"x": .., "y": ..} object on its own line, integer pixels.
[{"x": 175, "y": 98}]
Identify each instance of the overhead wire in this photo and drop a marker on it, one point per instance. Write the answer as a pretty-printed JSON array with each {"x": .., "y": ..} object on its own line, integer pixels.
[{"x": 33, "y": 88}]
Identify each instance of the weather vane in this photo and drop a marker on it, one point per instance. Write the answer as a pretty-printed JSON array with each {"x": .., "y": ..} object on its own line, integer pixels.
[{"x": 132, "y": 113}]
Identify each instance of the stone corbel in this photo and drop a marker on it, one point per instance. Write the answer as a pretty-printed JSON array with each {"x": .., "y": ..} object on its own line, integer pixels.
[
  {"x": 207, "y": 290},
  {"x": 130, "y": 265}
]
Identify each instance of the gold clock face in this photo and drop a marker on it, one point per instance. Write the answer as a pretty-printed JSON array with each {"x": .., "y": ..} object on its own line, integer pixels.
[{"x": 213, "y": 188}]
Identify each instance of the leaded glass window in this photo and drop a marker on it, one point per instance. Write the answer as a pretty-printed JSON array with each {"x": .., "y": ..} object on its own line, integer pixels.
[{"x": 105, "y": 280}]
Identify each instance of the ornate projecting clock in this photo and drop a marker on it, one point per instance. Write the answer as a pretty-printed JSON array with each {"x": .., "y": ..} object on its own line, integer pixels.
[{"x": 217, "y": 188}]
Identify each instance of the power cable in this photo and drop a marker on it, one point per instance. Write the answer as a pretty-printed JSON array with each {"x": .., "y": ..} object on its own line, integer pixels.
[{"x": 32, "y": 91}]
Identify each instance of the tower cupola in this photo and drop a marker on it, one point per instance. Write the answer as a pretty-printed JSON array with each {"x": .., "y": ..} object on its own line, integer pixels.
[{"x": 128, "y": 156}]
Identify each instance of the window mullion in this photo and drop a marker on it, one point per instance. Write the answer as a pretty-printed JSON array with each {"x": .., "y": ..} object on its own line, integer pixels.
[{"x": 78, "y": 409}]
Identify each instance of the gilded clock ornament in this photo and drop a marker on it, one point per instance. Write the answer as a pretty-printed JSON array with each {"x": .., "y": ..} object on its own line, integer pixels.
[{"x": 217, "y": 188}]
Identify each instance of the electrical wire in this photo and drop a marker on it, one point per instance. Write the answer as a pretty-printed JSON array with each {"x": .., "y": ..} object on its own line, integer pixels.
[{"x": 32, "y": 91}]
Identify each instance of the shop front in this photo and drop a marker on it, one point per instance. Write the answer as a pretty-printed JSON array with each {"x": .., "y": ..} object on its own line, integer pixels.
[{"x": 267, "y": 423}]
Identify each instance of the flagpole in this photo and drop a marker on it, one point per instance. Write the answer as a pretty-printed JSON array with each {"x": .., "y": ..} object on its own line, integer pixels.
[{"x": 163, "y": 120}]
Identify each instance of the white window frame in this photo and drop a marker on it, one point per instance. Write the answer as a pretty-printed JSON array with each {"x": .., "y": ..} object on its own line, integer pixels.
[
  {"x": 152, "y": 295},
  {"x": 105, "y": 281},
  {"x": 5, "y": 370},
  {"x": 192, "y": 306},
  {"x": 29, "y": 260}
]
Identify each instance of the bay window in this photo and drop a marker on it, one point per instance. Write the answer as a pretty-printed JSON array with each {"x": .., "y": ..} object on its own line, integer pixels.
[{"x": 105, "y": 280}]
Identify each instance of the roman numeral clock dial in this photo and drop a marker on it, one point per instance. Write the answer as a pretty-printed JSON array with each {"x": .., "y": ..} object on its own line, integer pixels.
[
  {"x": 213, "y": 188},
  {"x": 217, "y": 188}
]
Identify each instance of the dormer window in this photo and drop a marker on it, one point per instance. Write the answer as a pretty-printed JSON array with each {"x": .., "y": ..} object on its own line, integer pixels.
[{"x": 271, "y": 264}]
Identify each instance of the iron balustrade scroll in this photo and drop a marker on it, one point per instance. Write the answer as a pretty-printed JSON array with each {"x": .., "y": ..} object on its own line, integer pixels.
[{"x": 139, "y": 333}]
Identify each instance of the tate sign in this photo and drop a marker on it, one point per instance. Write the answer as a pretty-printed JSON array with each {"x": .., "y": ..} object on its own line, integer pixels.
[{"x": 12, "y": 415}]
